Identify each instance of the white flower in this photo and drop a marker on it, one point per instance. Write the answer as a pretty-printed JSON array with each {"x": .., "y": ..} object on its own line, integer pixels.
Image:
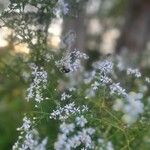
[
  {"x": 109, "y": 146},
  {"x": 71, "y": 61},
  {"x": 81, "y": 121},
  {"x": 116, "y": 88},
  {"x": 38, "y": 84},
  {"x": 67, "y": 128},
  {"x": 95, "y": 85},
  {"x": 61, "y": 8},
  {"x": 147, "y": 80},
  {"x": 29, "y": 138},
  {"x": 90, "y": 131},
  {"x": 105, "y": 79},
  {"x": 131, "y": 108},
  {"x": 26, "y": 124},
  {"x": 134, "y": 72},
  {"x": 85, "y": 139},
  {"x": 89, "y": 76},
  {"x": 65, "y": 96},
  {"x": 105, "y": 145},
  {"x": 105, "y": 66},
  {"x": 63, "y": 113},
  {"x": 74, "y": 135}
]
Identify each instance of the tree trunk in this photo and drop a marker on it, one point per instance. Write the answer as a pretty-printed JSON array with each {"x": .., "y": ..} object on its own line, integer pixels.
[
  {"x": 135, "y": 32},
  {"x": 76, "y": 24}
]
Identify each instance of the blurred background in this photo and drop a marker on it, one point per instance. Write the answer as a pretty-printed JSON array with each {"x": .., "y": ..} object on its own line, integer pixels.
[{"x": 117, "y": 27}]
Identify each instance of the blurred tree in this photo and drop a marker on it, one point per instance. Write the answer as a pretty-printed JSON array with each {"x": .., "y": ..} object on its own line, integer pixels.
[
  {"x": 76, "y": 23},
  {"x": 135, "y": 31}
]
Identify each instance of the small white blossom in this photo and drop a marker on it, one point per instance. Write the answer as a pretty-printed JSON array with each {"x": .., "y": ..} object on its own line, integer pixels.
[
  {"x": 131, "y": 108},
  {"x": 116, "y": 88},
  {"x": 105, "y": 67},
  {"x": 66, "y": 128},
  {"x": 72, "y": 89},
  {"x": 104, "y": 145},
  {"x": 147, "y": 79},
  {"x": 26, "y": 124},
  {"x": 71, "y": 61},
  {"x": 65, "y": 96},
  {"x": 71, "y": 138},
  {"x": 134, "y": 72},
  {"x": 95, "y": 85},
  {"x": 29, "y": 138},
  {"x": 61, "y": 8},
  {"x": 48, "y": 57},
  {"x": 81, "y": 121},
  {"x": 109, "y": 146},
  {"x": 63, "y": 113},
  {"x": 105, "y": 80},
  {"x": 38, "y": 84},
  {"x": 89, "y": 76}
]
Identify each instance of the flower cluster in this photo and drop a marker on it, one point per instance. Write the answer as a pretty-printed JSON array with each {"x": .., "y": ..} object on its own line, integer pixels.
[
  {"x": 61, "y": 8},
  {"x": 115, "y": 88},
  {"x": 105, "y": 67},
  {"x": 147, "y": 79},
  {"x": 99, "y": 77},
  {"x": 134, "y": 72},
  {"x": 65, "y": 96},
  {"x": 29, "y": 138},
  {"x": 71, "y": 61},
  {"x": 75, "y": 135},
  {"x": 63, "y": 113},
  {"x": 104, "y": 145},
  {"x": 89, "y": 76},
  {"x": 131, "y": 108},
  {"x": 129, "y": 104},
  {"x": 38, "y": 84}
]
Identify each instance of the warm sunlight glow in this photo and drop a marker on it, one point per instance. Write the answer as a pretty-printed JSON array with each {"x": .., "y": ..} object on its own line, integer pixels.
[
  {"x": 5, "y": 33},
  {"x": 21, "y": 48}
]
